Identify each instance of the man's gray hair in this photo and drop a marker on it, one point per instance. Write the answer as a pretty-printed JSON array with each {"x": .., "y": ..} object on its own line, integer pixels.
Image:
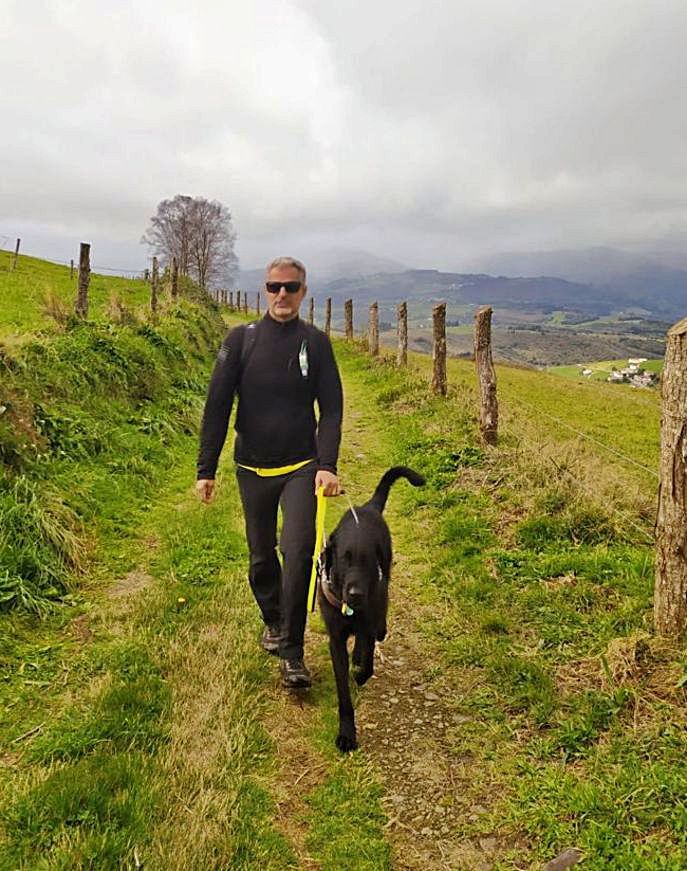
[{"x": 286, "y": 261}]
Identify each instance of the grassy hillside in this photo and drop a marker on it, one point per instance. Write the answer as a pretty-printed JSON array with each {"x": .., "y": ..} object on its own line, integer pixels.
[
  {"x": 90, "y": 412},
  {"x": 24, "y": 293},
  {"x": 539, "y": 599},
  {"x": 522, "y": 705}
]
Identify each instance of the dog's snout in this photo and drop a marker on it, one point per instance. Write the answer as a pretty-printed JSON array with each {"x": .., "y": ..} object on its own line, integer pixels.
[{"x": 355, "y": 595}]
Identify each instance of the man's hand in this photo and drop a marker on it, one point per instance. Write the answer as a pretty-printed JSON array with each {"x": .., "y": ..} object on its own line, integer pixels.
[
  {"x": 329, "y": 481},
  {"x": 205, "y": 489}
]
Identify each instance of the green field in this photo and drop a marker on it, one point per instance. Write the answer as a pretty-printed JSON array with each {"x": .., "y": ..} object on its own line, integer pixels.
[
  {"x": 601, "y": 369},
  {"x": 25, "y": 294},
  {"x": 141, "y": 724}
]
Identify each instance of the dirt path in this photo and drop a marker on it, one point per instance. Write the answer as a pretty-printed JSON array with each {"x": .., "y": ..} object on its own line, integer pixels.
[
  {"x": 408, "y": 716},
  {"x": 410, "y": 725}
]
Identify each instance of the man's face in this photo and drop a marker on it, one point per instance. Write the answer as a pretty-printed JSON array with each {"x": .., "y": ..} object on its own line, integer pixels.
[{"x": 284, "y": 306}]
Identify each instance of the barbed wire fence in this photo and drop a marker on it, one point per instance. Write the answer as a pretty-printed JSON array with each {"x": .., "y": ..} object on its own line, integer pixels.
[{"x": 486, "y": 379}]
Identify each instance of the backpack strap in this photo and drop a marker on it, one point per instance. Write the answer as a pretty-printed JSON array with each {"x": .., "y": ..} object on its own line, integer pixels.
[{"x": 248, "y": 340}]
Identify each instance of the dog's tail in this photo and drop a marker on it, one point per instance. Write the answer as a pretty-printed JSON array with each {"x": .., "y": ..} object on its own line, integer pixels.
[{"x": 381, "y": 494}]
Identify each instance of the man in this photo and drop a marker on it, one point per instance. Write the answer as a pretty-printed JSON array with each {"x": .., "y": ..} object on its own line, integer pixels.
[{"x": 278, "y": 367}]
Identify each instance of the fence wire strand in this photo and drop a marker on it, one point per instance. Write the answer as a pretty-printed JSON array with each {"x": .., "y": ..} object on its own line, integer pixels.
[{"x": 588, "y": 437}]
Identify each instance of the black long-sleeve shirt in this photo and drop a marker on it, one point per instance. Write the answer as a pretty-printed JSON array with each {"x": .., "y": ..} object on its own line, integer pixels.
[{"x": 291, "y": 365}]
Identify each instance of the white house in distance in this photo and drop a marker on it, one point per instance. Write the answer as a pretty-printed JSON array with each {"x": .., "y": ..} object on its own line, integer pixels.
[{"x": 633, "y": 374}]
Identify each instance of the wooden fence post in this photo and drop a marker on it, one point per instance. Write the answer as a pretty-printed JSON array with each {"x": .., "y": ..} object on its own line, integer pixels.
[
  {"x": 328, "y": 315},
  {"x": 489, "y": 407},
  {"x": 439, "y": 349},
  {"x": 153, "y": 287},
  {"x": 257, "y": 303},
  {"x": 348, "y": 316},
  {"x": 670, "y": 590},
  {"x": 71, "y": 269},
  {"x": 16, "y": 256},
  {"x": 81, "y": 307},
  {"x": 231, "y": 300},
  {"x": 373, "y": 330},
  {"x": 402, "y": 353},
  {"x": 146, "y": 275},
  {"x": 175, "y": 278},
  {"x": 245, "y": 302},
  {"x": 311, "y": 311}
]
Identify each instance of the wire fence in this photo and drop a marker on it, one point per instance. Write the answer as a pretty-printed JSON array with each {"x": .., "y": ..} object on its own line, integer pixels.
[
  {"x": 6, "y": 245},
  {"x": 599, "y": 494},
  {"x": 584, "y": 435},
  {"x": 127, "y": 272}
]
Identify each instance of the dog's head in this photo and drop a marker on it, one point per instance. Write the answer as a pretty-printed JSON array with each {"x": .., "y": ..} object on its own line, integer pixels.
[{"x": 352, "y": 563}]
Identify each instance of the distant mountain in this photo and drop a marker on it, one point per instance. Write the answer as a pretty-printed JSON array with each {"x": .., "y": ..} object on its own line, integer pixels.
[
  {"x": 654, "y": 281},
  {"x": 541, "y": 294},
  {"x": 594, "y": 282}
]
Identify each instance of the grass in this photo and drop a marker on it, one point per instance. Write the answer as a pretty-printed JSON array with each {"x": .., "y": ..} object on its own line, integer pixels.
[
  {"x": 138, "y": 726},
  {"x": 145, "y": 740},
  {"x": 540, "y": 603},
  {"x": 35, "y": 284},
  {"x": 89, "y": 417},
  {"x": 102, "y": 719},
  {"x": 159, "y": 747}
]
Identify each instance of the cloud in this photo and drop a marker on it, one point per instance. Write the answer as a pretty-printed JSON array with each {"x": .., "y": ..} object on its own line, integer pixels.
[{"x": 430, "y": 132}]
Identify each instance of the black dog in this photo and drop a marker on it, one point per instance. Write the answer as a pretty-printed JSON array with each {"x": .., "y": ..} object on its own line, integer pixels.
[{"x": 354, "y": 593}]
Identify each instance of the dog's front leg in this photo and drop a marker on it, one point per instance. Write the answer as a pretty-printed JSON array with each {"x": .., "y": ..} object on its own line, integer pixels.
[
  {"x": 345, "y": 740},
  {"x": 368, "y": 661}
]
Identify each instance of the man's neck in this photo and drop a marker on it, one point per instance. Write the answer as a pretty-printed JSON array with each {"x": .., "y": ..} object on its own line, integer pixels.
[{"x": 288, "y": 320}]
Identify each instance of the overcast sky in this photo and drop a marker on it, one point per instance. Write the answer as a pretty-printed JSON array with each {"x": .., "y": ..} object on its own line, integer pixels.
[{"x": 431, "y": 132}]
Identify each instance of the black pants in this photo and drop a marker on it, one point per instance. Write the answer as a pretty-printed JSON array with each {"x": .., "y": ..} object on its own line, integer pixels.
[{"x": 280, "y": 592}]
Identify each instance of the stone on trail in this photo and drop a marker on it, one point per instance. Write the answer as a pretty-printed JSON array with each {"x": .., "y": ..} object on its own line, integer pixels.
[{"x": 565, "y": 860}]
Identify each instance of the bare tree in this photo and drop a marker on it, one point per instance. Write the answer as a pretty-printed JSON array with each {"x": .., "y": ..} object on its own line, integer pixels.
[
  {"x": 170, "y": 229},
  {"x": 200, "y": 234}
]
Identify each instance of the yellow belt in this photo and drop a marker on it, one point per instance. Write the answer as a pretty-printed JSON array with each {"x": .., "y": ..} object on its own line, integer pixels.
[{"x": 272, "y": 473}]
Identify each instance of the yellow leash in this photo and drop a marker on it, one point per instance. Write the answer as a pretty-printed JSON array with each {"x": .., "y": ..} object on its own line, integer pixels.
[{"x": 319, "y": 538}]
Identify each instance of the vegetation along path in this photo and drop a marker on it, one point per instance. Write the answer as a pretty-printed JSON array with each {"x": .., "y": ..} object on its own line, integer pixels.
[{"x": 521, "y": 706}]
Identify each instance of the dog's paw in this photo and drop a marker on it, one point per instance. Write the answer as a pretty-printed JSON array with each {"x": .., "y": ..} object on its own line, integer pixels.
[
  {"x": 346, "y": 742},
  {"x": 362, "y": 677},
  {"x": 381, "y": 633}
]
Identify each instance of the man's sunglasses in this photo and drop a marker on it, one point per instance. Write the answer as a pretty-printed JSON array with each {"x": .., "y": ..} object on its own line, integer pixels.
[{"x": 289, "y": 286}]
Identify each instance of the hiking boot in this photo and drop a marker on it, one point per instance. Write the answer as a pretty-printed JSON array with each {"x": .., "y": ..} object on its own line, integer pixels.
[
  {"x": 271, "y": 637},
  {"x": 294, "y": 674}
]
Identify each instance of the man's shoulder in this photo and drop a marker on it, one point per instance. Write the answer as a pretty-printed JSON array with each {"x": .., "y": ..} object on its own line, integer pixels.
[
  {"x": 235, "y": 333},
  {"x": 314, "y": 333}
]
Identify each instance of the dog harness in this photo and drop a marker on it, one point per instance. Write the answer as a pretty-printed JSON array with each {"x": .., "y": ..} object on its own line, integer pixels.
[
  {"x": 318, "y": 574},
  {"x": 328, "y": 593}
]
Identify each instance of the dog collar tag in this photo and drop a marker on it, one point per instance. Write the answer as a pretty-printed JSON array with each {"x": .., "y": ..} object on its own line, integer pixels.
[{"x": 346, "y": 610}]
